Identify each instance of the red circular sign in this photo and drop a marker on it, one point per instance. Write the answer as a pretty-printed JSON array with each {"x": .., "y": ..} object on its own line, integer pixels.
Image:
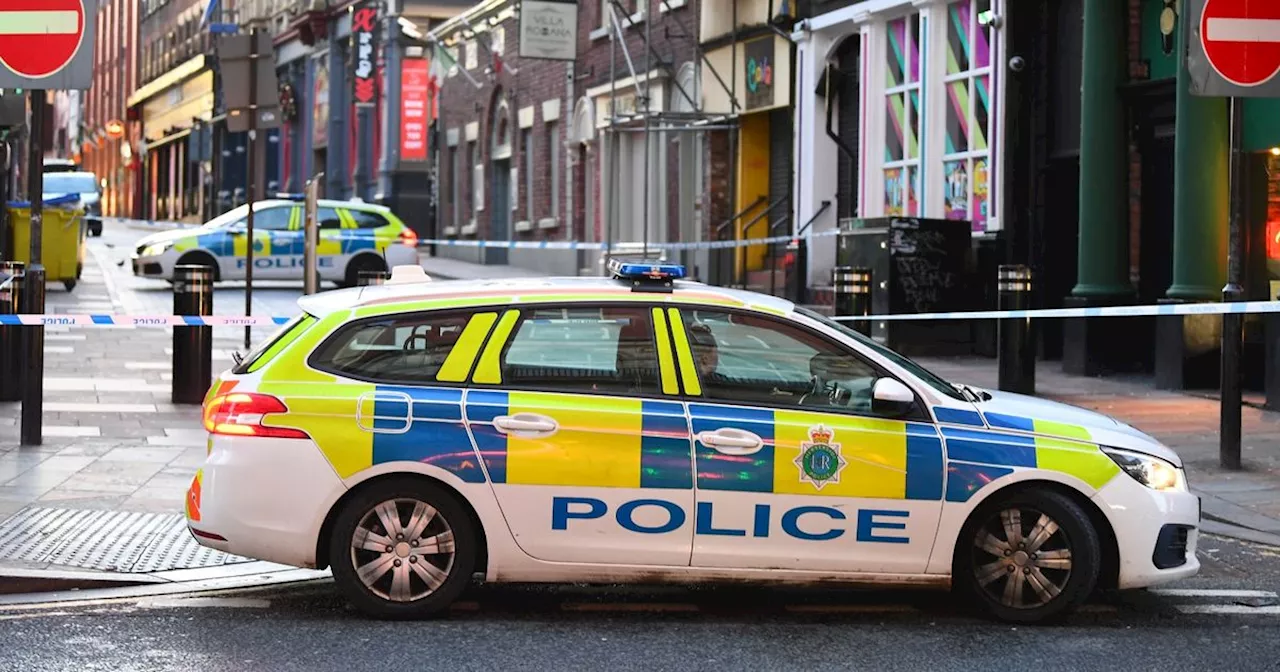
[
  {"x": 1241, "y": 39},
  {"x": 38, "y": 38}
]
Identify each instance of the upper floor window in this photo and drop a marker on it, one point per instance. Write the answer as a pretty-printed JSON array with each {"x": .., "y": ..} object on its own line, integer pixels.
[{"x": 966, "y": 166}]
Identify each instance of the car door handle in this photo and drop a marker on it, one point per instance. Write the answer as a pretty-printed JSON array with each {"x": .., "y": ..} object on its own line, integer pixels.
[
  {"x": 525, "y": 424},
  {"x": 732, "y": 441}
]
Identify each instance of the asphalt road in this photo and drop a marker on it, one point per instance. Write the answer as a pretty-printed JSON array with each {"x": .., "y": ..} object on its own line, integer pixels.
[{"x": 308, "y": 627}]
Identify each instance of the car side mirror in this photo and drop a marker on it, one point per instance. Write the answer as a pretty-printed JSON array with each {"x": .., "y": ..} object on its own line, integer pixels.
[{"x": 890, "y": 397}]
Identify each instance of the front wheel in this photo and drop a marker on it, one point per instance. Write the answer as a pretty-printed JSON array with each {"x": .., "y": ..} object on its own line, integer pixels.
[
  {"x": 1030, "y": 557},
  {"x": 403, "y": 549}
]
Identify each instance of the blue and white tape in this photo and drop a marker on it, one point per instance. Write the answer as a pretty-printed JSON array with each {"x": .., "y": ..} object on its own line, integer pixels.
[
  {"x": 100, "y": 320},
  {"x": 1100, "y": 311}
]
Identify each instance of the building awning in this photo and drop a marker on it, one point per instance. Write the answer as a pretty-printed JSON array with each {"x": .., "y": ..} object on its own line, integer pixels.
[{"x": 175, "y": 76}]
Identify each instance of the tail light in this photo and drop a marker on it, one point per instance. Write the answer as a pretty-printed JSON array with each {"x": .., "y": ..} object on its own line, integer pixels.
[
  {"x": 408, "y": 238},
  {"x": 241, "y": 414}
]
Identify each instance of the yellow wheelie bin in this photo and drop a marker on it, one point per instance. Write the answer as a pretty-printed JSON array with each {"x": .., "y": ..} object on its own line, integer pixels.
[{"x": 63, "y": 237}]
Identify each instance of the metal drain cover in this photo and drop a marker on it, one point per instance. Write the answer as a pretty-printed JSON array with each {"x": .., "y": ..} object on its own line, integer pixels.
[{"x": 114, "y": 541}]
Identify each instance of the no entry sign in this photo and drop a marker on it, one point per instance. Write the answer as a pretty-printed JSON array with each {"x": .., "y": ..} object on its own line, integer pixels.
[
  {"x": 1241, "y": 39},
  {"x": 46, "y": 44}
]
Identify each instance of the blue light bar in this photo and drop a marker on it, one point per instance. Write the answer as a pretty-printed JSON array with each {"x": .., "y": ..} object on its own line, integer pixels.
[{"x": 632, "y": 270}]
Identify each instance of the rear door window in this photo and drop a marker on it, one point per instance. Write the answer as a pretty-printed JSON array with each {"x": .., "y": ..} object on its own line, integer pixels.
[
  {"x": 408, "y": 349},
  {"x": 604, "y": 349}
]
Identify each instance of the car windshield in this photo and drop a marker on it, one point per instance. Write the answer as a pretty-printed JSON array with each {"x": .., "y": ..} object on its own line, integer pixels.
[
  {"x": 70, "y": 183},
  {"x": 228, "y": 218},
  {"x": 930, "y": 378}
]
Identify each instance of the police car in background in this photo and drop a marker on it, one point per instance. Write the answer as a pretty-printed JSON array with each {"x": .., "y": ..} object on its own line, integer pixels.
[
  {"x": 353, "y": 237},
  {"x": 642, "y": 428}
]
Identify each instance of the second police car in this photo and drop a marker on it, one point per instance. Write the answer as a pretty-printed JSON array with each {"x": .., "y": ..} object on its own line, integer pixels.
[
  {"x": 636, "y": 429},
  {"x": 353, "y": 237}
]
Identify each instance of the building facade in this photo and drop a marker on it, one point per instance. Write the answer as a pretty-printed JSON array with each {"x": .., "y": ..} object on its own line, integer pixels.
[
  {"x": 599, "y": 149},
  {"x": 98, "y": 136}
]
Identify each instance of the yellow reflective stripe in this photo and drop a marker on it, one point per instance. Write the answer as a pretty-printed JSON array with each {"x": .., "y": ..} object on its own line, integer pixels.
[
  {"x": 281, "y": 343},
  {"x": 488, "y": 371},
  {"x": 687, "y": 372},
  {"x": 1082, "y": 460},
  {"x": 665, "y": 362},
  {"x": 458, "y": 364}
]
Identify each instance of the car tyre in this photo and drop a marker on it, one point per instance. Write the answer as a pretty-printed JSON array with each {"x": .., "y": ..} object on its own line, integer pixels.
[
  {"x": 95, "y": 230},
  {"x": 430, "y": 563},
  {"x": 1031, "y": 557}
]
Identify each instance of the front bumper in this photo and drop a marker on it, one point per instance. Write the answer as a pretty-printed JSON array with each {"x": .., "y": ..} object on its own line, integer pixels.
[
  {"x": 1156, "y": 532},
  {"x": 263, "y": 498},
  {"x": 148, "y": 267}
]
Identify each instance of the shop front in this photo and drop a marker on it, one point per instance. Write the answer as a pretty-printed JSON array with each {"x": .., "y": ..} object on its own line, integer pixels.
[{"x": 170, "y": 108}]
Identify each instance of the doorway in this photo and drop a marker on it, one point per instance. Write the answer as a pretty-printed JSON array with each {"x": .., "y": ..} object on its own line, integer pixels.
[{"x": 500, "y": 211}]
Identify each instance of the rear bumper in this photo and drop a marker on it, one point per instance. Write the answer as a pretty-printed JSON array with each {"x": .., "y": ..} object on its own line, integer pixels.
[{"x": 263, "y": 498}]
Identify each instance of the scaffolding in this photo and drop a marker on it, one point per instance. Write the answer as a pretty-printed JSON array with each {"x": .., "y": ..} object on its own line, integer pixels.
[{"x": 656, "y": 121}]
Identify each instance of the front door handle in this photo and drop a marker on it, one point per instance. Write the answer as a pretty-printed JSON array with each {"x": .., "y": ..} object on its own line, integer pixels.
[
  {"x": 732, "y": 441},
  {"x": 525, "y": 424}
]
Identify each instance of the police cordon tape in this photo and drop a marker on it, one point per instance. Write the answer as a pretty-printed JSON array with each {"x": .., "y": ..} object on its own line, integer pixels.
[
  {"x": 99, "y": 320},
  {"x": 627, "y": 246}
]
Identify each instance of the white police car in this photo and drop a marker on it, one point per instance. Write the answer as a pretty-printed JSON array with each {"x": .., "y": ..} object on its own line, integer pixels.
[
  {"x": 637, "y": 429},
  {"x": 353, "y": 237}
]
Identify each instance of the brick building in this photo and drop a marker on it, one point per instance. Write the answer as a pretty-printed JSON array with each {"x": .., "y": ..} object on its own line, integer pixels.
[
  {"x": 536, "y": 149},
  {"x": 107, "y": 146}
]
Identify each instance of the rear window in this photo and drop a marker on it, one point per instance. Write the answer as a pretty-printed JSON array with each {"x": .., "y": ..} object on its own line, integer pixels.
[
  {"x": 605, "y": 349},
  {"x": 367, "y": 220},
  {"x": 273, "y": 344},
  {"x": 396, "y": 349}
]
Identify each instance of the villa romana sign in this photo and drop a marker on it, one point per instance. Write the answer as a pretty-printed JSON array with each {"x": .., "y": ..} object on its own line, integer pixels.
[{"x": 549, "y": 29}]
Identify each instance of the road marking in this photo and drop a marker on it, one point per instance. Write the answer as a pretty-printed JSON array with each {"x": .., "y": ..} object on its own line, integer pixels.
[
  {"x": 81, "y": 407},
  {"x": 1242, "y": 30},
  {"x": 1209, "y": 592},
  {"x": 58, "y": 350},
  {"x": 148, "y": 366},
  {"x": 39, "y": 23},
  {"x": 1229, "y": 609},
  {"x": 69, "y": 431},
  {"x": 627, "y": 606}
]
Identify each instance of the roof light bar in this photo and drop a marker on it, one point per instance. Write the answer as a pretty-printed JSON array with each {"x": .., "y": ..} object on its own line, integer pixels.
[{"x": 646, "y": 277}]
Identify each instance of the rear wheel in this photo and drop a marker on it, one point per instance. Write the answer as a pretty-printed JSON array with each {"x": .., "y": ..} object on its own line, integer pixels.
[
  {"x": 404, "y": 549},
  {"x": 1032, "y": 556}
]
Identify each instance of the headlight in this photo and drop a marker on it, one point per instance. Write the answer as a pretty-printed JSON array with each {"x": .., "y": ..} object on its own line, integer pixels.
[
  {"x": 1150, "y": 471},
  {"x": 156, "y": 249}
]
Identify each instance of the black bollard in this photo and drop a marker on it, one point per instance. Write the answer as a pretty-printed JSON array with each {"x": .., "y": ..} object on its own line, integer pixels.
[
  {"x": 31, "y": 433},
  {"x": 192, "y": 346},
  {"x": 1017, "y": 346},
  {"x": 366, "y": 278},
  {"x": 11, "y": 355}
]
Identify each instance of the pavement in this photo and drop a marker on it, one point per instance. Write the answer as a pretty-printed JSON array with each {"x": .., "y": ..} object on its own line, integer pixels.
[{"x": 103, "y": 495}]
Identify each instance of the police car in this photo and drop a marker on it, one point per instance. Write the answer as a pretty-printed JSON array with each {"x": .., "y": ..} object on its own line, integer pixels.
[
  {"x": 643, "y": 428},
  {"x": 353, "y": 237}
]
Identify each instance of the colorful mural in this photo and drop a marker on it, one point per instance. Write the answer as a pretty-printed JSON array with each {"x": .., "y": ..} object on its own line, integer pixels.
[
  {"x": 970, "y": 111},
  {"x": 902, "y": 123}
]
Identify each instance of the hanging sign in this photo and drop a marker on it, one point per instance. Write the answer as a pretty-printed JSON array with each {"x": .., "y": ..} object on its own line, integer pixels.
[
  {"x": 414, "y": 92},
  {"x": 549, "y": 29},
  {"x": 364, "y": 54}
]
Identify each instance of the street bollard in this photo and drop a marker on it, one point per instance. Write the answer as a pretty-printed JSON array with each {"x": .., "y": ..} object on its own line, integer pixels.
[
  {"x": 11, "y": 337},
  {"x": 31, "y": 433},
  {"x": 853, "y": 295},
  {"x": 1017, "y": 346},
  {"x": 192, "y": 346},
  {"x": 366, "y": 278}
]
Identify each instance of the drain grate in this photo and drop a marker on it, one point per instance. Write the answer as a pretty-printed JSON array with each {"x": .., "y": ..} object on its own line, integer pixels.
[{"x": 115, "y": 541}]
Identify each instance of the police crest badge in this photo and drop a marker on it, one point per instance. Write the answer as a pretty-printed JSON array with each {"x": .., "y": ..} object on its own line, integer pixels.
[{"x": 820, "y": 461}]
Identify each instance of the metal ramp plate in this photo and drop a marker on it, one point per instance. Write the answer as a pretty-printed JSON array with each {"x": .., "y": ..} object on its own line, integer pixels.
[{"x": 114, "y": 541}]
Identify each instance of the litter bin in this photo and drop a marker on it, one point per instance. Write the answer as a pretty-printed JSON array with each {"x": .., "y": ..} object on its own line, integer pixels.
[{"x": 63, "y": 238}]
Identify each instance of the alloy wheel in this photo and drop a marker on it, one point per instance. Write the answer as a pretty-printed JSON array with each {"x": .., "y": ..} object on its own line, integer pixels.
[
  {"x": 1021, "y": 558},
  {"x": 403, "y": 550}
]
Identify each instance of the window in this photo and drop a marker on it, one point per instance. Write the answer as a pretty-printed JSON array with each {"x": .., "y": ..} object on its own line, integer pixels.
[
  {"x": 966, "y": 164},
  {"x": 554, "y": 149},
  {"x": 745, "y": 359},
  {"x": 902, "y": 121},
  {"x": 526, "y": 153},
  {"x": 602, "y": 350},
  {"x": 328, "y": 219},
  {"x": 472, "y": 165},
  {"x": 271, "y": 219},
  {"x": 400, "y": 348},
  {"x": 367, "y": 220}
]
